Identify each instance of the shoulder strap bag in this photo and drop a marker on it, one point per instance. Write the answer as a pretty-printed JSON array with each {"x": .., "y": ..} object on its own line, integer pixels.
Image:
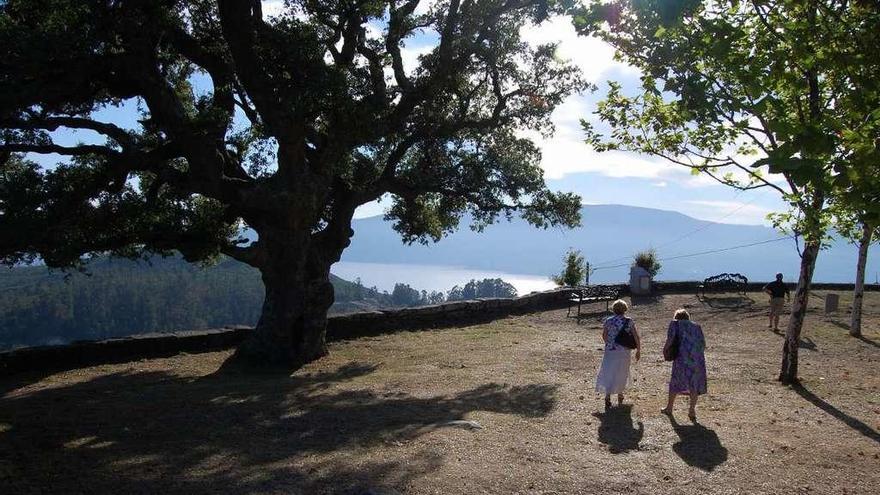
[
  {"x": 624, "y": 337},
  {"x": 671, "y": 352}
]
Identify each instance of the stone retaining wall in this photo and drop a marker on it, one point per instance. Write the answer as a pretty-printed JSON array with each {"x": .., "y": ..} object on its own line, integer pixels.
[
  {"x": 340, "y": 327},
  {"x": 88, "y": 353},
  {"x": 691, "y": 287}
]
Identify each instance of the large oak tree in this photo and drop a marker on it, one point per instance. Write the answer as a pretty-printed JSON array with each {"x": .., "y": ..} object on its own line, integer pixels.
[{"x": 284, "y": 124}]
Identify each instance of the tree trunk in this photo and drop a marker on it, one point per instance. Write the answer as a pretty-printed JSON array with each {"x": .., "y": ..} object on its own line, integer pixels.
[
  {"x": 855, "y": 325},
  {"x": 789, "y": 371},
  {"x": 293, "y": 324}
]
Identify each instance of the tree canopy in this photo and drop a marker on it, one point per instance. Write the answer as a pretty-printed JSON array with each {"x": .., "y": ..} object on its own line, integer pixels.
[
  {"x": 779, "y": 94},
  {"x": 284, "y": 123},
  {"x": 349, "y": 121},
  {"x": 737, "y": 89}
]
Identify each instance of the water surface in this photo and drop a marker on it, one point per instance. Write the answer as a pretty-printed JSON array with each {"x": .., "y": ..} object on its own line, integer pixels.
[{"x": 431, "y": 277}]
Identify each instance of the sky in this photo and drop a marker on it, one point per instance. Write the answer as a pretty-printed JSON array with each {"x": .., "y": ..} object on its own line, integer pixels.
[{"x": 569, "y": 164}]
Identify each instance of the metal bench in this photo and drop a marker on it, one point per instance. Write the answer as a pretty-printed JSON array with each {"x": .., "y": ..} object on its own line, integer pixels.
[
  {"x": 592, "y": 294},
  {"x": 724, "y": 282}
]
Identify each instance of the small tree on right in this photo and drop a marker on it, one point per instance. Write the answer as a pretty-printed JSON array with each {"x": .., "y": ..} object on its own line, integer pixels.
[
  {"x": 854, "y": 210},
  {"x": 734, "y": 90}
]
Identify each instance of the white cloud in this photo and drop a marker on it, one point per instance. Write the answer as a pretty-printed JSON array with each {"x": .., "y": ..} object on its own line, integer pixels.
[
  {"x": 424, "y": 6},
  {"x": 566, "y": 152},
  {"x": 410, "y": 56},
  {"x": 593, "y": 56},
  {"x": 370, "y": 209},
  {"x": 272, "y": 8},
  {"x": 562, "y": 155}
]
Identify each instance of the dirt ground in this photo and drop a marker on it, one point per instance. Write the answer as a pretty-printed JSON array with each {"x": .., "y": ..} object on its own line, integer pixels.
[{"x": 374, "y": 416}]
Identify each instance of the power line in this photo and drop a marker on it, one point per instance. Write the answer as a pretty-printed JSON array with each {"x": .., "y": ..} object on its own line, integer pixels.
[
  {"x": 721, "y": 250},
  {"x": 729, "y": 248},
  {"x": 688, "y": 234},
  {"x": 707, "y": 224}
]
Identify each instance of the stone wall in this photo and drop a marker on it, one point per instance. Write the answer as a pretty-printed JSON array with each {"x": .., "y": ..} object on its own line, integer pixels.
[
  {"x": 355, "y": 325},
  {"x": 88, "y": 353},
  {"x": 340, "y": 327},
  {"x": 691, "y": 287}
]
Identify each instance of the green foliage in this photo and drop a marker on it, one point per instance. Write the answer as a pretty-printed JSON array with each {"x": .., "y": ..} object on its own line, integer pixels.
[
  {"x": 648, "y": 260},
  {"x": 333, "y": 120},
  {"x": 486, "y": 288},
  {"x": 117, "y": 298},
  {"x": 574, "y": 271},
  {"x": 736, "y": 90},
  {"x": 404, "y": 295}
]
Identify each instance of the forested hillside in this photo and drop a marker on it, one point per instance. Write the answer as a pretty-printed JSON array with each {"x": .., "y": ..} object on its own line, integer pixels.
[
  {"x": 115, "y": 297},
  {"x": 118, "y": 297}
]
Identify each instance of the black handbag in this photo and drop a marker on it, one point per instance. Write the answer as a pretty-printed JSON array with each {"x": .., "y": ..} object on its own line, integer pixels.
[
  {"x": 624, "y": 338},
  {"x": 671, "y": 352}
]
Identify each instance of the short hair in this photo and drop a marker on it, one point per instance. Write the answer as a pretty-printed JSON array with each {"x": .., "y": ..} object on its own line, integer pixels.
[
  {"x": 681, "y": 314},
  {"x": 778, "y": 276},
  {"x": 619, "y": 307}
]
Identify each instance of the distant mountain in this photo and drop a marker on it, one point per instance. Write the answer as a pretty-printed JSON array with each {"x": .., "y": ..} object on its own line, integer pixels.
[{"x": 610, "y": 235}]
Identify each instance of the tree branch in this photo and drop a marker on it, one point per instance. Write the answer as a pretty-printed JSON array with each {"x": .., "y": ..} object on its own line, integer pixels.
[
  {"x": 241, "y": 21},
  {"x": 36, "y": 122},
  {"x": 252, "y": 255},
  {"x": 44, "y": 149}
]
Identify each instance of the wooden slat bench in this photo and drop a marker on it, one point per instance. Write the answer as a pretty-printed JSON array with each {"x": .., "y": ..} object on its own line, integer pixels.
[
  {"x": 592, "y": 294},
  {"x": 724, "y": 282}
]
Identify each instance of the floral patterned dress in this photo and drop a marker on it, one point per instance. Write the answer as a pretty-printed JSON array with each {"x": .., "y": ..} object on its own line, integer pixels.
[
  {"x": 689, "y": 367},
  {"x": 613, "y": 376}
]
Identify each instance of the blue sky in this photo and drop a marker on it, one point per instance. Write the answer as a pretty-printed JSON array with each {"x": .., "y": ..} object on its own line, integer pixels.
[
  {"x": 569, "y": 163},
  {"x": 614, "y": 177}
]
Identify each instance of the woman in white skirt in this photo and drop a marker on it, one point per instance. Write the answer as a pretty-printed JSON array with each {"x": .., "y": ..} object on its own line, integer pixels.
[{"x": 614, "y": 373}]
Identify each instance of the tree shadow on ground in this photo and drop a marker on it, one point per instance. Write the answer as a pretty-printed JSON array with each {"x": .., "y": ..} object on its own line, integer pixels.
[
  {"x": 867, "y": 340},
  {"x": 839, "y": 324},
  {"x": 804, "y": 343},
  {"x": 616, "y": 429},
  {"x": 698, "y": 446},
  {"x": 598, "y": 315},
  {"x": 808, "y": 344},
  {"x": 848, "y": 420},
  {"x": 16, "y": 381},
  {"x": 152, "y": 432},
  {"x": 845, "y": 326},
  {"x": 734, "y": 302}
]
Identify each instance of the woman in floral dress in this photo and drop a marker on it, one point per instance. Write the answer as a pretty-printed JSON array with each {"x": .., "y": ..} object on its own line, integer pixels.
[{"x": 689, "y": 367}]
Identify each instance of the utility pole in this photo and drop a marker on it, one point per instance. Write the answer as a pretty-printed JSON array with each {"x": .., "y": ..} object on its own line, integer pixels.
[{"x": 587, "y": 271}]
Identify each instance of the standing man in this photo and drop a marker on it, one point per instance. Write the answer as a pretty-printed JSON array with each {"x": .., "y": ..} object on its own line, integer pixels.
[{"x": 779, "y": 295}]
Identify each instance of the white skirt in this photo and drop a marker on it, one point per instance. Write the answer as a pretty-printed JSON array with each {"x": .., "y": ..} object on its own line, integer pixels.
[{"x": 613, "y": 375}]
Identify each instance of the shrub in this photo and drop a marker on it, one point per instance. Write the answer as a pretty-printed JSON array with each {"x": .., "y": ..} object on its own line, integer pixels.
[
  {"x": 574, "y": 271},
  {"x": 648, "y": 260}
]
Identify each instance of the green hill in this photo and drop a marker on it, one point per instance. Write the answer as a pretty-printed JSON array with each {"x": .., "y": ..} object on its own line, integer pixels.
[{"x": 116, "y": 298}]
